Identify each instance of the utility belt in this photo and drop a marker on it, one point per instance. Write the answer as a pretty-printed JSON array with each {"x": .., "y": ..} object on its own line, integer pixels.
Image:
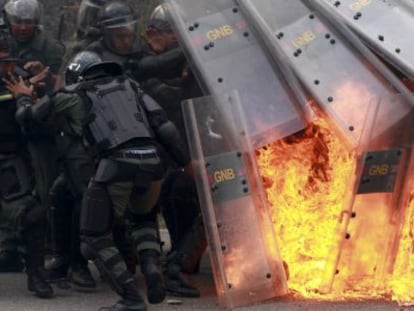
[
  {"x": 15, "y": 180},
  {"x": 135, "y": 154},
  {"x": 138, "y": 165}
]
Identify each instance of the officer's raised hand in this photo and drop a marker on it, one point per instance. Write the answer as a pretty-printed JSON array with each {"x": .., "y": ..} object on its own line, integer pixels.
[
  {"x": 17, "y": 86},
  {"x": 38, "y": 80}
]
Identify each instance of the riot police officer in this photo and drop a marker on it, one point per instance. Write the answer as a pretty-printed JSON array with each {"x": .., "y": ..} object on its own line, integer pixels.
[
  {"x": 36, "y": 51},
  {"x": 66, "y": 259},
  {"x": 30, "y": 44},
  {"x": 63, "y": 116},
  {"x": 20, "y": 211},
  {"x": 120, "y": 43},
  {"x": 179, "y": 201},
  {"x": 87, "y": 28},
  {"x": 126, "y": 135}
]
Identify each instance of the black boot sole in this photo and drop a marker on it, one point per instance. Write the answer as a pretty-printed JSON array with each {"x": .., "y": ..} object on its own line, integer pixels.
[
  {"x": 156, "y": 291},
  {"x": 177, "y": 289},
  {"x": 122, "y": 307},
  {"x": 44, "y": 295}
]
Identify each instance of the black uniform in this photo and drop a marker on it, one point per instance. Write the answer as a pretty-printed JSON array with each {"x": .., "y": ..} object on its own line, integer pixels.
[
  {"x": 20, "y": 211},
  {"x": 62, "y": 117}
]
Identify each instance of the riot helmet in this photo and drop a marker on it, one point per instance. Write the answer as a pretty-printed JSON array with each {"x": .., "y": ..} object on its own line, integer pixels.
[
  {"x": 159, "y": 33},
  {"x": 87, "y": 65},
  {"x": 23, "y": 16},
  {"x": 87, "y": 19},
  {"x": 119, "y": 27},
  {"x": 77, "y": 66},
  {"x": 159, "y": 19}
]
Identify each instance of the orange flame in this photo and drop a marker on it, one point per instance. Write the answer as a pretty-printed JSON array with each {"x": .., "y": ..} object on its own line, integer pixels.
[
  {"x": 402, "y": 281},
  {"x": 307, "y": 177}
]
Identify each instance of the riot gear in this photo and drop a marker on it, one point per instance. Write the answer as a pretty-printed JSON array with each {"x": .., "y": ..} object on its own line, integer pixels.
[
  {"x": 20, "y": 11},
  {"x": 118, "y": 25},
  {"x": 117, "y": 14},
  {"x": 20, "y": 213},
  {"x": 124, "y": 130},
  {"x": 87, "y": 19},
  {"x": 114, "y": 125},
  {"x": 97, "y": 204},
  {"x": 159, "y": 20},
  {"x": 78, "y": 65}
]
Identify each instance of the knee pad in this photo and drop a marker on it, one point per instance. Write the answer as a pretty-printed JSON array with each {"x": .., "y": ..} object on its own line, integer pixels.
[{"x": 96, "y": 213}]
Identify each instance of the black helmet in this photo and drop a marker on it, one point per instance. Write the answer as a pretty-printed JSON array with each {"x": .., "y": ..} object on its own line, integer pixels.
[
  {"x": 117, "y": 14},
  {"x": 87, "y": 65},
  {"x": 117, "y": 20},
  {"x": 79, "y": 63},
  {"x": 159, "y": 19},
  {"x": 23, "y": 10},
  {"x": 87, "y": 19}
]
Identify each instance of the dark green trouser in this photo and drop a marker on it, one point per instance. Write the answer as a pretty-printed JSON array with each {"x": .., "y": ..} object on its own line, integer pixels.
[
  {"x": 99, "y": 246},
  {"x": 140, "y": 202}
]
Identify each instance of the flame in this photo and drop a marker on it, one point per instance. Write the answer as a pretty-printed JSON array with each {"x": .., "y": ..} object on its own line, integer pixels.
[
  {"x": 306, "y": 176},
  {"x": 402, "y": 281},
  {"x": 309, "y": 177}
]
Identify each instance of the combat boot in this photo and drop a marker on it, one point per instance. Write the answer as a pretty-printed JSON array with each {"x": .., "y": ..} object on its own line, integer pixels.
[
  {"x": 37, "y": 284},
  {"x": 176, "y": 281},
  {"x": 132, "y": 301},
  {"x": 186, "y": 259},
  {"x": 151, "y": 269},
  {"x": 81, "y": 276},
  {"x": 56, "y": 268},
  {"x": 34, "y": 261}
]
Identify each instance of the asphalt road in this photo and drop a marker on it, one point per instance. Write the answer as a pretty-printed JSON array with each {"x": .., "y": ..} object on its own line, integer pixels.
[{"x": 15, "y": 297}]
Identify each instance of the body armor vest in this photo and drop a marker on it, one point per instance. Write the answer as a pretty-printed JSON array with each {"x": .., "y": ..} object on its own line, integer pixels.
[{"x": 117, "y": 115}]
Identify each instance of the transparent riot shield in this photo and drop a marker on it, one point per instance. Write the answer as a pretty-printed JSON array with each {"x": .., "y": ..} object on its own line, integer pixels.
[
  {"x": 407, "y": 4},
  {"x": 386, "y": 25},
  {"x": 225, "y": 55},
  {"x": 245, "y": 258},
  {"x": 338, "y": 75},
  {"x": 374, "y": 230}
]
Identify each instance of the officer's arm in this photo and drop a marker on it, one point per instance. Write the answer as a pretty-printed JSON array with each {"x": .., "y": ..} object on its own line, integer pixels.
[
  {"x": 28, "y": 110},
  {"x": 155, "y": 65},
  {"x": 74, "y": 109},
  {"x": 55, "y": 52},
  {"x": 166, "y": 132}
]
